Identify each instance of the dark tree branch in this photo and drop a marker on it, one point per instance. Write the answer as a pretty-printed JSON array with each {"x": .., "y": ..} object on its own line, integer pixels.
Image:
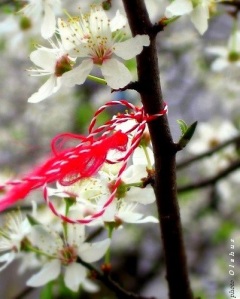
[
  {"x": 231, "y": 3},
  {"x": 111, "y": 284},
  {"x": 24, "y": 293},
  {"x": 164, "y": 153},
  {"x": 104, "y": 278},
  {"x": 212, "y": 180},
  {"x": 235, "y": 140},
  {"x": 132, "y": 85}
]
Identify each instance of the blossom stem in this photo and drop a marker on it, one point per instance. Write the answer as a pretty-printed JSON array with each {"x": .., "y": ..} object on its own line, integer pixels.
[
  {"x": 137, "y": 184},
  {"x": 35, "y": 250},
  {"x": 97, "y": 79},
  {"x": 110, "y": 228},
  {"x": 149, "y": 166},
  {"x": 166, "y": 22},
  {"x": 68, "y": 202}
]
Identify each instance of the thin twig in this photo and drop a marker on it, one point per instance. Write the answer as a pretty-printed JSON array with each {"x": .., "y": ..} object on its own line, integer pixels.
[
  {"x": 23, "y": 293},
  {"x": 111, "y": 284},
  {"x": 208, "y": 153},
  {"x": 211, "y": 180}
]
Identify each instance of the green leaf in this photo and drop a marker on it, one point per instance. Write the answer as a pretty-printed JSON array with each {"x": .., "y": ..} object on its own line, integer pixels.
[
  {"x": 183, "y": 126},
  {"x": 188, "y": 133}
]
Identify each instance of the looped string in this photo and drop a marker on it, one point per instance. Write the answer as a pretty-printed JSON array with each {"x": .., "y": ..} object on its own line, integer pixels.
[
  {"x": 138, "y": 114},
  {"x": 84, "y": 160}
]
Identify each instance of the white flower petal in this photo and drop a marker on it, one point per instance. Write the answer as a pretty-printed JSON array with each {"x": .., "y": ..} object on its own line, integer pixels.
[
  {"x": 49, "y": 22},
  {"x": 115, "y": 73},
  {"x": 148, "y": 219},
  {"x": 47, "y": 241},
  {"x": 199, "y": 17},
  {"x": 46, "y": 90},
  {"x": 178, "y": 8},
  {"x": 65, "y": 31},
  {"x": 131, "y": 47},
  {"x": 79, "y": 74},
  {"x": 90, "y": 286},
  {"x": 134, "y": 173},
  {"x": 49, "y": 271},
  {"x": 92, "y": 252},
  {"x": 129, "y": 217},
  {"x": 118, "y": 22},
  {"x": 44, "y": 58},
  {"x": 144, "y": 196},
  {"x": 220, "y": 51},
  {"x": 99, "y": 23},
  {"x": 139, "y": 156},
  {"x": 7, "y": 258},
  {"x": 110, "y": 212},
  {"x": 219, "y": 64},
  {"x": 74, "y": 275},
  {"x": 76, "y": 232}
]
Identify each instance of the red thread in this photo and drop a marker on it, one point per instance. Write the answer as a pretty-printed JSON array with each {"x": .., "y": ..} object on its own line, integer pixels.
[
  {"x": 67, "y": 166},
  {"x": 72, "y": 163}
]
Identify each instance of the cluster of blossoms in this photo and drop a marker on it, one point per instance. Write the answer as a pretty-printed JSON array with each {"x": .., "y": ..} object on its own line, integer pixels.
[
  {"x": 95, "y": 182},
  {"x": 91, "y": 41},
  {"x": 103, "y": 179},
  {"x": 94, "y": 41},
  {"x": 99, "y": 186}
]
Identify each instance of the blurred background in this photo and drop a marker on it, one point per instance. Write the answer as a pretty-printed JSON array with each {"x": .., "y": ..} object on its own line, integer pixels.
[{"x": 194, "y": 92}]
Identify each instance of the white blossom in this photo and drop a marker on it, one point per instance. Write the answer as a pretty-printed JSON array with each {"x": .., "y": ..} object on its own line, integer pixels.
[
  {"x": 18, "y": 33},
  {"x": 63, "y": 253},
  {"x": 97, "y": 41},
  {"x": 52, "y": 62},
  {"x": 226, "y": 56},
  {"x": 199, "y": 11},
  {"x": 16, "y": 229},
  {"x": 43, "y": 11},
  {"x": 92, "y": 193},
  {"x": 210, "y": 135}
]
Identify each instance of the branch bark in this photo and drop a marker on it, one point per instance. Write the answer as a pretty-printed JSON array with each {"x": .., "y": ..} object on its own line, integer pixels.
[
  {"x": 111, "y": 284},
  {"x": 164, "y": 153}
]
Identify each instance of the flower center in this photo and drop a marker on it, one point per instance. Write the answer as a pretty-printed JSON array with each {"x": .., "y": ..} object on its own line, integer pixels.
[
  {"x": 25, "y": 23},
  {"x": 233, "y": 56},
  {"x": 213, "y": 143},
  {"x": 68, "y": 255},
  {"x": 62, "y": 66}
]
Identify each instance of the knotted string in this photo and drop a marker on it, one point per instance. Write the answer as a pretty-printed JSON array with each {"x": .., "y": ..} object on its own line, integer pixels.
[
  {"x": 84, "y": 160},
  {"x": 138, "y": 114}
]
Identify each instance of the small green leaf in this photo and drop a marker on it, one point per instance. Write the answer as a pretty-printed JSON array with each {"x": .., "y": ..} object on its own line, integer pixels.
[
  {"x": 187, "y": 135},
  {"x": 182, "y": 125}
]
